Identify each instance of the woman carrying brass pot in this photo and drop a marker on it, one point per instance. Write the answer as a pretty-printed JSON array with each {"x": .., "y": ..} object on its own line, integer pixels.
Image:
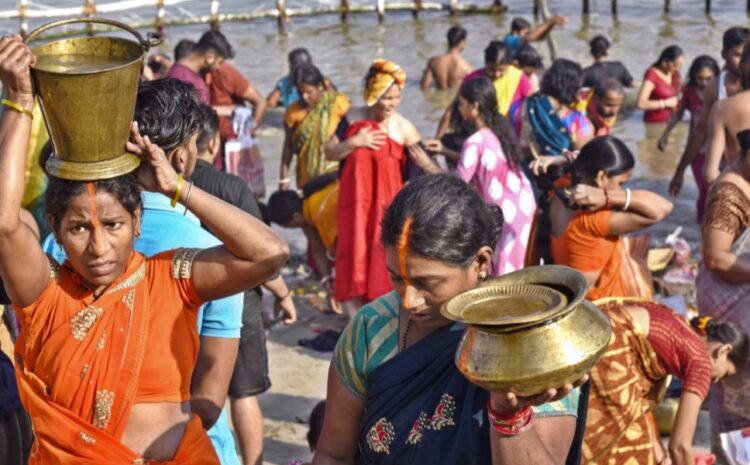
[
  {"x": 650, "y": 342},
  {"x": 109, "y": 339},
  {"x": 395, "y": 395}
]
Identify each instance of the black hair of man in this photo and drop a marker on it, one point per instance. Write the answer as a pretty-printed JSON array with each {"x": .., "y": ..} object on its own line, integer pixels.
[
  {"x": 528, "y": 57},
  {"x": 456, "y": 35},
  {"x": 168, "y": 112},
  {"x": 183, "y": 48},
  {"x": 209, "y": 128},
  {"x": 497, "y": 52},
  {"x": 607, "y": 85},
  {"x": 282, "y": 205},
  {"x": 518, "y": 25},
  {"x": 215, "y": 41},
  {"x": 599, "y": 46},
  {"x": 734, "y": 37}
]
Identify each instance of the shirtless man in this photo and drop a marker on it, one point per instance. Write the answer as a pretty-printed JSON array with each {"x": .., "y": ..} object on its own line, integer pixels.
[
  {"x": 728, "y": 84},
  {"x": 448, "y": 70}
]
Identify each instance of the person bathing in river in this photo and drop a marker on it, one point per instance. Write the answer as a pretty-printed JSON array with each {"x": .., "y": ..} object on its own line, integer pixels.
[
  {"x": 649, "y": 343},
  {"x": 522, "y": 33},
  {"x": 728, "y": 117},
  {"x": 395, "y": 395},
  {"x": 727, "y": 85},
  {"x": 702, "y": 72},
  {"x": 490, "y": 160},
  {"x": 660, "y": 91},
  {"x": 589, "y": 218},
  {"x": 309, "y": 123},
  {"x": 602, "y": 104},
  {"x": 511, "y": 86},
  {"x": 528, "y": 60},
  {"x": 723, "y": 283},
  {"x": 604, "y": 68},
  {"x": 373, "y": 143},
  {"x": 285, "y": 92},
  {"x": 554, "y": 125},
  {"x": 211, "y": 51},
  {"x": 448, "y": 70},
  {"x": 88, "y": 369}
]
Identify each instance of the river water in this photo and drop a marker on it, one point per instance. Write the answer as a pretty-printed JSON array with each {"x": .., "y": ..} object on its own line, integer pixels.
[{"x": 344, "y": 52}]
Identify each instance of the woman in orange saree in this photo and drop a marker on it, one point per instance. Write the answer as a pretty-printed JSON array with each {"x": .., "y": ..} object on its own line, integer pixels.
[
  {"x": 590, "y": 218},
  {"x": 108, "y": 340}
]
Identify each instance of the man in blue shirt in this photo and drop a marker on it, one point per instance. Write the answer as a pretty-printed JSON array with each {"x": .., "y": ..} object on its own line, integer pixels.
[{"x": 164, "y": 227}]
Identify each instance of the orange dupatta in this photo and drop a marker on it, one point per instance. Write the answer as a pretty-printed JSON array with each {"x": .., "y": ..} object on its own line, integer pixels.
[{"x": 78, "y": 366}]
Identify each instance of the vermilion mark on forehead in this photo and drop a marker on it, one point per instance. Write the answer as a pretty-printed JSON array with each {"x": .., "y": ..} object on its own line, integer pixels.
[
  {"x": 92, "y": 204},
  {"x": 403, "y": 251}
]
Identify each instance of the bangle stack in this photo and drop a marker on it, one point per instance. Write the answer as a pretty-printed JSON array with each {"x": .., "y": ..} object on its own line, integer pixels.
[
  {"x": 627, "y": 200},
  {"x": 514, "y": 424}
]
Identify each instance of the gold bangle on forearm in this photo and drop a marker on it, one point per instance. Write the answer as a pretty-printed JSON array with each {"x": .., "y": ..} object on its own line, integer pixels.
[
  {"x": 177, "y": 191},
  {"x": 16, "y": 107}
]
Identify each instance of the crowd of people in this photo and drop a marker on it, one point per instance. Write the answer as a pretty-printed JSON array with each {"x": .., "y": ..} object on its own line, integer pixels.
[{"x": 137, "y": 311}]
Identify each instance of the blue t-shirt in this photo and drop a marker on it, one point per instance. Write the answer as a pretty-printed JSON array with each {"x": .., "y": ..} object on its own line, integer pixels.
[
  {"x": 289, "y": 93},
  {"x": 513, "y": 42},
  {"x": 165, "y": 228}
]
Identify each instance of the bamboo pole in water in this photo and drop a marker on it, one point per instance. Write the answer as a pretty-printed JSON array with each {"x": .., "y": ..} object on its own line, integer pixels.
[
  {"x": 666, "y": 6},
  {"x": 283, "y": 15},
  {"x": 344, "y": 9},
  {"x": 89, "y": 9},
  {"x": 586, "y": 8},
  {"x": 380, "y": 6},
  {"x": 160, "y": 15},
  {"x": 550, "y": 39},
  {"x": 614, "y": 7},
  {"x": 214, "y": 18},
  {"x": 708, "y": 6},
  {"x": 417, "y": 8},
  {"x": 22, "y": 6}
]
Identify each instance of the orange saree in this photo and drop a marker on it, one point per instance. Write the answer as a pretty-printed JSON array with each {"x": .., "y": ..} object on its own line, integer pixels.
[{"x": 78, "y": 362}]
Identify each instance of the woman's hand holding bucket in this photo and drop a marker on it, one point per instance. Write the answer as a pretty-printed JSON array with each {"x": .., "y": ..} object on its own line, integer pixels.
[
  {"x": 156, "y": 174},
  {"x": 15, "y": 70}
]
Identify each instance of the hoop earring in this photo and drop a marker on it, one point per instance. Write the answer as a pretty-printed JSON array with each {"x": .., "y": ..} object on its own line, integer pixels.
[{"x": 483, "y": 276}]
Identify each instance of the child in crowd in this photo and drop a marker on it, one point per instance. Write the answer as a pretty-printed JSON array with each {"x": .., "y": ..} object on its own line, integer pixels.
[
  {"x": 316, "y": 426},
  {"x": 316, "y": 213}
]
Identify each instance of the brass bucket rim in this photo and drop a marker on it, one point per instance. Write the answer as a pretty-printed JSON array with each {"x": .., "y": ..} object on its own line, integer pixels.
[{"x": 85, "y": 73}]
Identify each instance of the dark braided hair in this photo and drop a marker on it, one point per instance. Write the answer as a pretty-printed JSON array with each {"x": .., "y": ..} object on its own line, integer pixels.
[
  {"x": 482, "y": 92},
  {"x": 725, "y": 332}
]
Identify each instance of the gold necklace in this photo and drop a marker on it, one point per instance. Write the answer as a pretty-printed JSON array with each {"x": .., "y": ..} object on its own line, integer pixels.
[{"x": 406, "y": 332}]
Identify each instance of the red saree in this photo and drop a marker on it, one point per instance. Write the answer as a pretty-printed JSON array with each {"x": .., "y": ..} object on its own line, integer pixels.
[
  {"x": 79, "y": 362},
  {"x": 369, "y": 182}
]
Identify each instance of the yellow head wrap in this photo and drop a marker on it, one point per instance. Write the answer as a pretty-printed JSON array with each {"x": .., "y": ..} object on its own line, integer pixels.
[{"x": 389, "y": 73}]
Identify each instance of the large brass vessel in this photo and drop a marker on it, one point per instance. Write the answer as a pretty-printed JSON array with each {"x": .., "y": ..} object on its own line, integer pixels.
[
  {"x": 529, "y": 331},
  {"x": 87, "y": 88}
]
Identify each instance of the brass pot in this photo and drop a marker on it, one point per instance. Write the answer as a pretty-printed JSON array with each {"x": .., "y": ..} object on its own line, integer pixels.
[
  {"x": 87, "y": 89},
  {"x": 542, "y": 333}
]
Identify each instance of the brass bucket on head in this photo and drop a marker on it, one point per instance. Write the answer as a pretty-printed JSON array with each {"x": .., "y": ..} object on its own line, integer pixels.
[{"x": 87, "y": 88}]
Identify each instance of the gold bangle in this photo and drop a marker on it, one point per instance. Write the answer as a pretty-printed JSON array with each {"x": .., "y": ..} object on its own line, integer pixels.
[
  {"x": 177, "y": 192},
  {"x": 17, "y": 107}
]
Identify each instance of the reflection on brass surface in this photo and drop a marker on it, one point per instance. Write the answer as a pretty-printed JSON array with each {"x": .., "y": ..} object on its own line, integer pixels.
[
  {"x": 529, "y": 353},
  {"x": 87, "y": 89}
]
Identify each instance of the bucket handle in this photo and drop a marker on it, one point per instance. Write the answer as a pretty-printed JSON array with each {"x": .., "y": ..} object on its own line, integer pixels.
[{"x": 151, "y": 40}]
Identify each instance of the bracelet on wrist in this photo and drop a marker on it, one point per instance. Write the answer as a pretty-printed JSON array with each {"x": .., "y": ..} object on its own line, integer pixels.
[
  {"x": 510, "y": 424},
  {"x": 288, "y": 294},
  {"x": 177, "y": 191},
  {"x": 628, "y": 198},
  {"x": 17, "y": 107}
]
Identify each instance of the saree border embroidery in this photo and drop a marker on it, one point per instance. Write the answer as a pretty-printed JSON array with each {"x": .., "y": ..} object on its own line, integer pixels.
[
  {"x": 87, "y": 439},
  {"x": 380, "y": 436},
  {"x": 83, "y": 321},
  {"x": 131, "y": 281},
  {"x": 182, "y": 263},
  {"x": 54, "y": 269},
  {"x": 103, "y": 408}
]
